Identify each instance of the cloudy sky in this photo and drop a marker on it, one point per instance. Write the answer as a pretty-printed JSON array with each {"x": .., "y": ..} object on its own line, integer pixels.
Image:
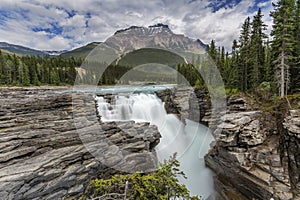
[{"x": 66, "y": 24}]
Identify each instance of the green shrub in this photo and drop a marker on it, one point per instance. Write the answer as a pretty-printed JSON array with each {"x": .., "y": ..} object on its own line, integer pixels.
[{"x": 161, "y": 185}]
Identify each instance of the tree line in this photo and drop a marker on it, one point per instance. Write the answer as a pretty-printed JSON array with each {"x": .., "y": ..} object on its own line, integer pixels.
[
  {"x": 35, "y": 70},
  {"x": 258, "y": 60}
]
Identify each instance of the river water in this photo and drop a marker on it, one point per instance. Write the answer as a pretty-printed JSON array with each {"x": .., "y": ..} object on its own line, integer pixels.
[{"x": 190, "y": 141}]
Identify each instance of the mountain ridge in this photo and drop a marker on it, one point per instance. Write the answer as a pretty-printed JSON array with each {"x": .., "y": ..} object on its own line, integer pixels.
[
  {"x": 27, "y": 51},
  {"x": 156, "y": 36},
  {"x": 123, "y": 40},
  {"x": 21, "y": 50}
]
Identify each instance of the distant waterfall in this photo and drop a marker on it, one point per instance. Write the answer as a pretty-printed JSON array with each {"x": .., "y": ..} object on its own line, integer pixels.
[{"x": 190, "y": 142}]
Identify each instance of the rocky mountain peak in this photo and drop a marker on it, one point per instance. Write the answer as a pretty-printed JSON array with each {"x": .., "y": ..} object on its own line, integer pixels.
[
  {"x": 153, "y": 28},
  {"x": 127, "y": 29},
  {"x": 159, "y": 25},
  {"x": 154, "y": 36}
]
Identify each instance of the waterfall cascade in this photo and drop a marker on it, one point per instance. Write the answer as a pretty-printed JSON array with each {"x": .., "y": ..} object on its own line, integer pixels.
[
  {"x": 147, "y": 108},
  {"x": 191, "y": 142}
]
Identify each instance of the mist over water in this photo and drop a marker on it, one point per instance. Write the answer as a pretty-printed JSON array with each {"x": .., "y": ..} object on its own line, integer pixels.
[{"x": 191, "y": 142}]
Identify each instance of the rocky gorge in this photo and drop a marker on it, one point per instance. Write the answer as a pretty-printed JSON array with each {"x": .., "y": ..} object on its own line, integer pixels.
[
  {"x": 256, "y": 154},
  {"x": 48, "y": 146}
]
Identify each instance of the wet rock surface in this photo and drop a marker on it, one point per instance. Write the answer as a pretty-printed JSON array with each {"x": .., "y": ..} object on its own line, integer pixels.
[{"x": 52, "y": 144}]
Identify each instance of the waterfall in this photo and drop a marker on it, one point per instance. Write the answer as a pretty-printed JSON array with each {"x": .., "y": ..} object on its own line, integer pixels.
[{"x": 191, "y": 142}]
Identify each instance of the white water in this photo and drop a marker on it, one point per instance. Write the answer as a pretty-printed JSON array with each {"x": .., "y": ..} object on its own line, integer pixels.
[{"x": 191, "y": 142}]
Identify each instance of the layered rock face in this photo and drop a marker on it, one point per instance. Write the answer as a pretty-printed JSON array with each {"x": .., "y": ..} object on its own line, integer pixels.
[
  {"x": 52, "y": 144},
  {"x": 254, "y": 157},
  {"x": 186, "y": 103},
  {"x": 291, "y": 141}
]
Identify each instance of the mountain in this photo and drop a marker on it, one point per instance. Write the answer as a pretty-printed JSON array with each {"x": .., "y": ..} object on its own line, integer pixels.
[
  {"x": 156, "y": 36},
  {"x": 20, "y": 50},
  {"x": 122, "y": 42},
  {"x": 55, "y": 53},
  {"x": 149, "y": 55},
  {"x": 136, "y": 37},
  {"x": 81, "y": 52}
]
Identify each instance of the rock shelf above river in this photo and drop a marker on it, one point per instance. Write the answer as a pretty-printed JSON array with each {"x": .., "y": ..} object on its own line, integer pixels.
[{"x": 42, "y": 154}]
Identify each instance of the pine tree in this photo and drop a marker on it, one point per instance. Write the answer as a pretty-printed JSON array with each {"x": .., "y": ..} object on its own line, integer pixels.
[
  {"x": 244, "y": 54},
  {"x": 8, "y": 77},
  {"x": 212, "y": 51},
  {"x": 209, "y": 71},
  {"x": 33, "y": 71},
  {"x": 54, "y": 77},
  {"x": 229, "y": 71},
  {"x": 295, "y": 67},
  {"x": 257, "y": 52},
  {"x": 221, "y": 60},
  {"x": 283, "y": 42},
  {"x": 15, "y": 69},
  {"x": 24, "y": 74}
]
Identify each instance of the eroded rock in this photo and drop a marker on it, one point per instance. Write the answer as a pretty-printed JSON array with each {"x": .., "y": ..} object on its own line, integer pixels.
[
  {"x": 52, "y": 144},
  {"x": 253, "y": 157}
]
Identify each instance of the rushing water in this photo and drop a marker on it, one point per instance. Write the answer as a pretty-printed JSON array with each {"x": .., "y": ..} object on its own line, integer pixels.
[{"x": 191, "y": 142}]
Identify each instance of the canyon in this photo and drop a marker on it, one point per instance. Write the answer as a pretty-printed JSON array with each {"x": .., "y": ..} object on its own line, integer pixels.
[{"x": 48, "y": 148}]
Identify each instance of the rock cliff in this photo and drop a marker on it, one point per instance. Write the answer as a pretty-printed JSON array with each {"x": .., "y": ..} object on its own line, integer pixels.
[
  {"x": 51, "y": 144},
  {"x": 256, "y": 154}
]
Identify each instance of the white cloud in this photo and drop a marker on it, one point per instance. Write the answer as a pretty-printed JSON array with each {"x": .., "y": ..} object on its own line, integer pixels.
[
  {"x": 193, "y": 19},
  {"x": 262, "y": 4}
]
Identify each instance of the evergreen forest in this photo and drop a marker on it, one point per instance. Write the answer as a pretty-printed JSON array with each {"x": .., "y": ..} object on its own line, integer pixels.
[{"x": 256, "y": 60}]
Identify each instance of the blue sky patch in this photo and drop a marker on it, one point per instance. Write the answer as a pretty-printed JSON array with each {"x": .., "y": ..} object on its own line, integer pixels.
[
  {"x": 4, "y": 14},
  {"x": 52, "y": 31},
  {"x": 71, "y": 13},
  {"x": 256, "y": 7},
  {"x": 216, "y": 5}
]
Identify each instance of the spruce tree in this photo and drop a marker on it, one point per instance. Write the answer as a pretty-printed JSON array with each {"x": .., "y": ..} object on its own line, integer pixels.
[
  {"x": 283, "y": 42},
  {"x": 24, "y": 74},
  {"x": 295, "y": 67},
  {"x": 8, "y": 78},
  {"x": 232, "y": 68},
  {"x": 221, "y": 60},
  {"x": 244, "y": 55},
  {"x": 212, "y": 51},
  {"x": 257, "y": 52},
  {"x": 15, "y": 69},
  {"x": 33, "y": 71}
]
